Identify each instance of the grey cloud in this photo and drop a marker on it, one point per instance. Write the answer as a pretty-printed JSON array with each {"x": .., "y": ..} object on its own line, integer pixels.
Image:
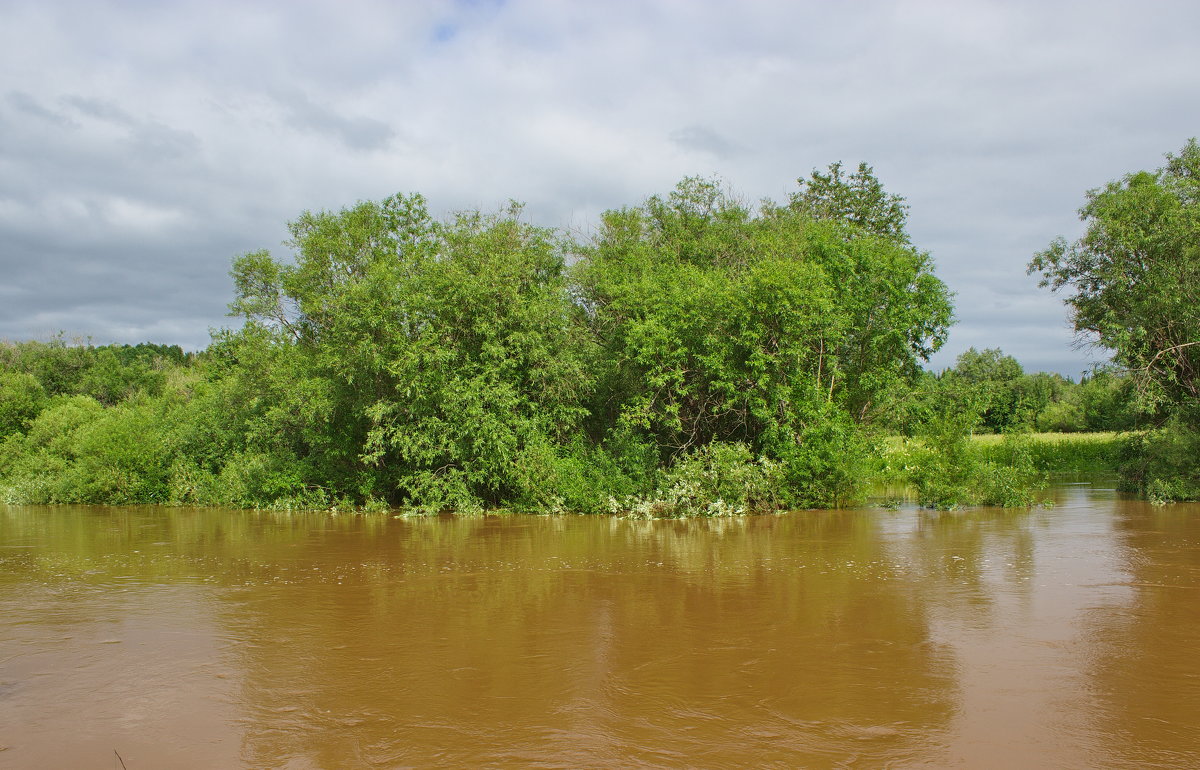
[
  {"x": 151, "y": 139},
  {"x": 992, "y": 119},
  {"x": 356, "y": 133},
  {"x": 95, "y": 296},
  {"x": 704, "y": 139},
  {"x": 25, "y": 103},
  {"x": 99, "y": 108},
  {"x": 158, "y": 142}
]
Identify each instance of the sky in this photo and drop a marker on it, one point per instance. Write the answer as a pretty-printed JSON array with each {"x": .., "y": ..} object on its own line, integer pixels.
[{"x": 144, "y": 145}]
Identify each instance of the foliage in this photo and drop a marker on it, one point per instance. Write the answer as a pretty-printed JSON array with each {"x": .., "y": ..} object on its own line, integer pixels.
[
  {"x": 940, "y": 466},
  {"x": 1133, "y": 283},
  {"x": 21, "y": 400},
  {"x": 57, "y": 365},
  {"x": 1161, "y": 464},
  {"x": 717, "y": 479},
  {"x": 995, "y": 378},
  {"x": 717, "y": 324},
  {"x": 108, "y": 373},
  {"x": 929, "y": 400},
  {"x": 431, "y": 364},
  {"x": 78, "y": 451},
  {"x": 992, "y": 386},
  {"x": 700, "y": 358},
  {"x": 1104, "y": 401},
  {"x": 857, "y": 199},
  {"x": 949, "y": 472},
  {"x": 1133, "y": 279}
]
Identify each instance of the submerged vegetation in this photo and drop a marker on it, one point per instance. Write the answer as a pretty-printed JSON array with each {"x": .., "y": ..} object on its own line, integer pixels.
[{"x": 695, "y": 357}]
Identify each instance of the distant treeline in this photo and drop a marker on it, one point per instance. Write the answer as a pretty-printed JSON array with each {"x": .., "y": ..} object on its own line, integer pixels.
[
  {"x": 696, "y": 356},
  {"x": 994, "y": 390},
  {"x": 33, "y": 371}
]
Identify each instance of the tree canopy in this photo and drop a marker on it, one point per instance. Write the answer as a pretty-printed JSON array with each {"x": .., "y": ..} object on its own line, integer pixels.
[
  {"x": 857, "y": 198},
  {"x": 1133, "y": 280}
]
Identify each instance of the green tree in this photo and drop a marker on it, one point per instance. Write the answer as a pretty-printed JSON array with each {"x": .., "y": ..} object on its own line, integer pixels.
[
  {"x": 700, "y": 357},
  {"x": 857, "y": 198},
  {"x": 22, "y": 398},
  {"x": 108, "y": 373},
  {"x": 777, "y": 329},
  {"x": 415, "y": 361},
  {"x": 1133, "y": 286},
  {"x": 59, "y": 365},
  {"x": 990, "y": 365},
  {"x": 1132, "y": 281},
  {"x": 996, "y": 379}
]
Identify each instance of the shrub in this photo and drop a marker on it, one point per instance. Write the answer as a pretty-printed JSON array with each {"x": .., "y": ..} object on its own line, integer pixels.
[
  {"x": 1162, "y": 464},
  {"x": 949, "y": 472},
  {"x": 22, "y": 398},
  {"x": 718, "y": 479}
]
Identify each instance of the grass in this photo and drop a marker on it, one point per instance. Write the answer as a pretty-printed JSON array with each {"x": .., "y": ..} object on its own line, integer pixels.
[
  {"x": 1051, "y": 452},
  {"x": 1059, "y": 452},
  {"x": 953, "y": 470}
]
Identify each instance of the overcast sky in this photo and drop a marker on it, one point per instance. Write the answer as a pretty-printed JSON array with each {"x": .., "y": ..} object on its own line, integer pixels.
[{"x": 145, "y": 144}]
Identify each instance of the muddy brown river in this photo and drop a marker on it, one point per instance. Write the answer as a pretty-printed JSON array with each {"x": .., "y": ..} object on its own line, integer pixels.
[{"x": 1065, "y": 637}]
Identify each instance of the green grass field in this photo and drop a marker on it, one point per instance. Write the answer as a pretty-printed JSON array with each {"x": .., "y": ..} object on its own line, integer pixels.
[
  {"x": 1005, "y": 470},
  {"x": 1059, "y": 452},
  {"x": 1050, "y": 452}
]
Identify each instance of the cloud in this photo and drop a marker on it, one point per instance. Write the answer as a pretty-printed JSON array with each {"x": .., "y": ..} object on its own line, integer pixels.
[
  {"x": 706, "y": 140},
  {"x": 31, "y": 107},
  {"x": 156, "y": 143},
  {"x": 99, "y": 109},
  {"x": 355, "y": 132}
]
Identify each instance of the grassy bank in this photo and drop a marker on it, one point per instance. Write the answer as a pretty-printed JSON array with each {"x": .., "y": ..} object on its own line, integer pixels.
[
  {"x": 1058, "y": 452},
  {"x": 1049, "y": 452},
  {"x": 952, "y": 470}
]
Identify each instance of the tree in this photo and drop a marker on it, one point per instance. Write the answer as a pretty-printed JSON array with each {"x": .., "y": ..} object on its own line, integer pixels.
[
  {"x": 990, "y": 365},
  {"x": 858, "y": 199},
  {"x": 410, "y": 360},
  {"x": 995, "y": 379},
  {"x": 780, "y": 329},
  {"x": 1132, "y": 281},
  {"x": 22, "y": 398}
]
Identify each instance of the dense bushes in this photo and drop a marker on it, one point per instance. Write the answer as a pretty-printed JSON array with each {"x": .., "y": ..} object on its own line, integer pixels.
[
  {"x": 1162, "y": 465},
  {"x": 22, "y": 398},
  {"x": 947, "y": 468},
  {"x": 773, "y": 330},
  {"x": 699, "y": 357}
]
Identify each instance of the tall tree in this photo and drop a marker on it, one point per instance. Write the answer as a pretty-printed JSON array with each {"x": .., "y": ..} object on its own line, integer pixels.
[
  {"x": 773, "y": 328},
  {"x": 1133, "y": 280},
  {"x": 421, "y": 362}
]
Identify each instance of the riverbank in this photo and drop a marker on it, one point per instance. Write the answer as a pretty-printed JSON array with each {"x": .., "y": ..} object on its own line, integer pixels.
[{"x": 952, "y": 470}]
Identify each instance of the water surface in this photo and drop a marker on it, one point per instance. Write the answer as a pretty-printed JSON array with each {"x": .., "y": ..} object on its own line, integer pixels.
[{"x": 1065, "y": 637}]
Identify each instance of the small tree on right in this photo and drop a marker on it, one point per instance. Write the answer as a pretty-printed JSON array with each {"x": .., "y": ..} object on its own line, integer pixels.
[
  {"x": 1133, "y": 285},
  {"x": 1133, "y": 279}
]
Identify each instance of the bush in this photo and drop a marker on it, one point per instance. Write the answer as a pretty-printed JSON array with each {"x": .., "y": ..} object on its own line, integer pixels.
[
  {"x": 829, "y": 466},
  {"x": 1162, "y": 465},
  {"x": 78, "y": 452},
  {"x": 22, "y": 398},
  {"x": 719, "y": 479},
  {"x": 949, "y": 471}
]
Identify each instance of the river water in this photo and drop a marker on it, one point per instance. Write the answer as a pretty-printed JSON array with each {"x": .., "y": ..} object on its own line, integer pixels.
[{"x": 198, "y": 638}]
